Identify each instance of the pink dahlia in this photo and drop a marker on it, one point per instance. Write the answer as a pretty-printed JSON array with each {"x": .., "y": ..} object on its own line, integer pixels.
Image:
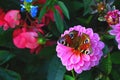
[
  {"x": 116, "y": 32},
  {"x": 72, "y": 58},
  {"x": 113, "y": 17},
  {"x": 25, "y": 39}
]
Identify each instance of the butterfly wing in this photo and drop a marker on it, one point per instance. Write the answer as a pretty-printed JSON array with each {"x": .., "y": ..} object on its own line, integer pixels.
[
  {"x": 84, "y": 44},
  {"x": 73, "y": 40},
  {"x": 69, "y": 39}
]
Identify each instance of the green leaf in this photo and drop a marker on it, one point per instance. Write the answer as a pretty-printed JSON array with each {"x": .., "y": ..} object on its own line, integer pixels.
[
  {"x": 53, "y": 29},
  {"x": 77, "y": 5},
  {"x": 106, "y": 65},
  {"x": 87, "y": 75},
  {"x": 85, "y": 20},
  {"x": 107, "y": 36},
  {"x": 44, "y": 9},
  {"x": 47, "y": 51},
  {"x": 115, "y": 75},
  {"x": 87, "y": 4},
  {"x": 115, "y": 57},
  {"x": 8, "y": 75},
  {"x": 56, "y": 70},
  {"x": 58, "y": 21},
  {"x": 42, "y": 12},
  {"x": 105, "y": 78},
  {"x": 64, "y": 9},
  {"x": 6, "y": 38},
  {"x": 68, "y": 77},
  {"x": 5, "y": 56},
  {"x": 106, "y": 50}
]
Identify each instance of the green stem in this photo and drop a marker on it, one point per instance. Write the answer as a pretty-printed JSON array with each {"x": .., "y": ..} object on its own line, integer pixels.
[{"x": 73, "y": 74}]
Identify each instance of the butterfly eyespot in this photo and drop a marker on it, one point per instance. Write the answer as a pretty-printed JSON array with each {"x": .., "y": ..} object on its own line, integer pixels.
[
  {"x": 86, "y": 41},
  {"x": 71, "y": 34},
  {"x": 62, "y": 41},
  {"x": 68, "y": 45},
  {"x": 87, "y": 52},
  {"x": 82, "y": 51}
]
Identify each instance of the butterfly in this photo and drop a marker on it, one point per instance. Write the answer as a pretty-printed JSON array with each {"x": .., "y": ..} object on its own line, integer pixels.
[{"x": 80, "y": 43}]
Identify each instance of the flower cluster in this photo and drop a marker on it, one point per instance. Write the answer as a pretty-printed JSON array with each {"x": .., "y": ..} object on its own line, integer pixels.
[
  {"x": 28, "y": 30},
  {"x": 73, "y": 59},
  {"x": 113, "y": 19}
]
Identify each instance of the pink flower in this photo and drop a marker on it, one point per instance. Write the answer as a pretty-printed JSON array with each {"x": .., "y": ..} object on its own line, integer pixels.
[
  {"x": 25, "y": 39},
  {"x": 116, "y": 32},
  {"x": 113, "y": 17},
  {"x": 49, "y": 16},
  {"x": 10, "y": 19},
  {"x": 73, "y": 59}
]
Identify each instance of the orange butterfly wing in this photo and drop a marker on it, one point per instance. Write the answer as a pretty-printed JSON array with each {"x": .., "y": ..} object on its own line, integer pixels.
[
  {"x": 73, "y": 40},
  {"x": 85, "y": 44}
]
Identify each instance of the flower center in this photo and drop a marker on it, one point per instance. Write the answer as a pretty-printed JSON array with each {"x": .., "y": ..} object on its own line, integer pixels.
[{"x": 76, "y": 52}]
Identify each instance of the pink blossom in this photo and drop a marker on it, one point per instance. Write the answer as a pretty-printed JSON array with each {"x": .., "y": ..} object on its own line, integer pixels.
[
  {"x": 73, "y": 59},
  {"x": 10, "y": 19},
  {"x": 116, "y": 32},
  {"x": 25, "y": 39},
  {"x": 113, "y": 17}
]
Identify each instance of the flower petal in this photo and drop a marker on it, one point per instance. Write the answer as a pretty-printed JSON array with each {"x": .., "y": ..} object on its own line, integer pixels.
[
  {"x": 74, "y": 59},
  {"x": 85, "y": 57}
]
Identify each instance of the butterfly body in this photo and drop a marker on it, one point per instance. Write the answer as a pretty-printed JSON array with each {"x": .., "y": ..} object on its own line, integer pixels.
[{"x": 76, "y": 41}]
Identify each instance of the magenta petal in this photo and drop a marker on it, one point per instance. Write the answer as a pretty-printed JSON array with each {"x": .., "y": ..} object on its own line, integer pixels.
[
  {"x": 93, "y": 58},
  {"x": 86, "y": 65},
  {"x": 65, "y": 59},
  {"x": 101, "y": 45},
  {"x": 118, "y": 46},
  {"x": 75, "y": 59},
  {"x": 96, "y": 51},
  {"x": 118, "y": 37},
  {"x": 69, "y": 67},
  {"x": 85, "y": 57},
  {"x": 78, "y": 71},
  {"x": 90, "y": 32},
  {"x": 92, "y": 64},
  {"x": 112, "y": 32},
  {"x": 81, "y": 62},
  {"x": 96, "y": 37},
  {"x": 76, "y": 66}
]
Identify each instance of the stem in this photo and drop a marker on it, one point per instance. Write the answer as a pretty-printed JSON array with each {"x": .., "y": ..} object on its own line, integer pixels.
[{"x": 73, "y": 74}]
